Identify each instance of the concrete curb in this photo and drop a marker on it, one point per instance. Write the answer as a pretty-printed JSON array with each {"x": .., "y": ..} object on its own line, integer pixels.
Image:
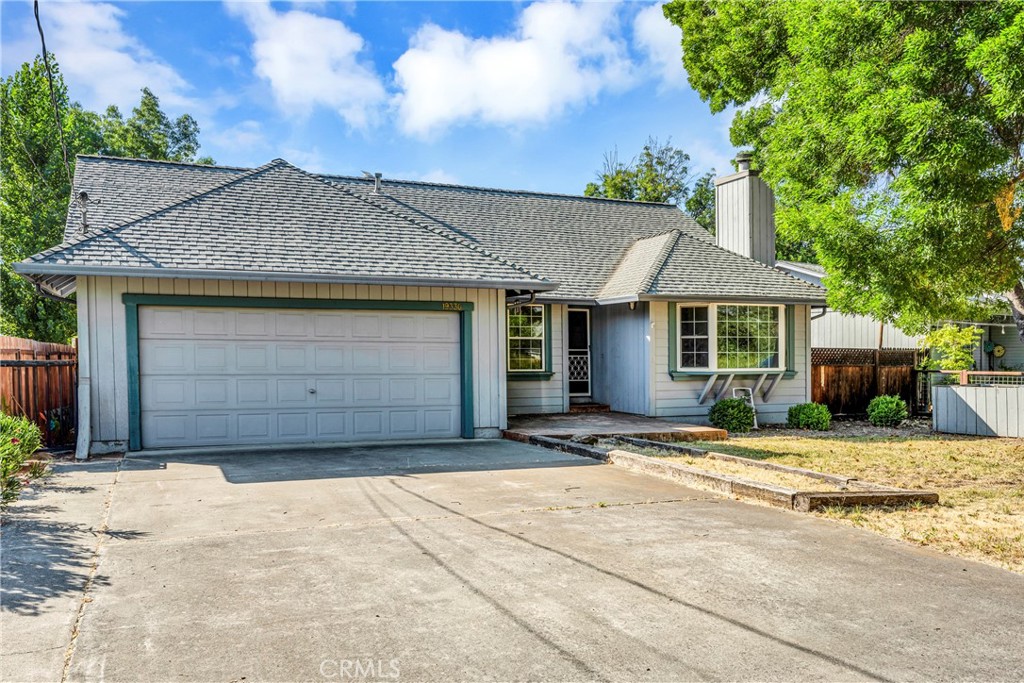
[{"x": 778, "y": 496}]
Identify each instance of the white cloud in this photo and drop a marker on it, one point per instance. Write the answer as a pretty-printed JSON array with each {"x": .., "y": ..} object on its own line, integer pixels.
[
  {"x": 244, "y": 136},
  {"x": 560, "y": 55},
  {"x": 102, "y": 63},
  {"x": 660, "y": 40},
  {"x": 311, "y": 61},
  {"x": 438, "y": 175}
]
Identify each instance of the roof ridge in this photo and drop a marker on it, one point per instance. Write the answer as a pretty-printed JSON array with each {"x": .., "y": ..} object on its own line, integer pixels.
[
  {"x": 499, "y": 190},
  {"x": 100, "y": 232},
  {"x": 659, "y": 261},
  {"x": 443, "y": 232},
  {"x": 163, "y": 162}
]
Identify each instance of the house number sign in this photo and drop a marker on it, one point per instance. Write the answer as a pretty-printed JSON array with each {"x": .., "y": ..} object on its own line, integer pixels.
[{"x": 451, "y": 306}]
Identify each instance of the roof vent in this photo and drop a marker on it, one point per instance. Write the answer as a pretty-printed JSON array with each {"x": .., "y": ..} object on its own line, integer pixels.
[
  {"x": 743, "y": 161},
  {"x": 82, "y": 201},
  {"x": 376, "y": 180}
]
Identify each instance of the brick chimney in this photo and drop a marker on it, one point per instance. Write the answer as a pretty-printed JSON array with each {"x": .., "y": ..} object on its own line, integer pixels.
[{"x": 745, "y": 213}]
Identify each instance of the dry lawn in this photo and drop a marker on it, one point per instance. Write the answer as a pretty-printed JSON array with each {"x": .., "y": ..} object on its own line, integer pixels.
[{"x": 980, "y": 482}]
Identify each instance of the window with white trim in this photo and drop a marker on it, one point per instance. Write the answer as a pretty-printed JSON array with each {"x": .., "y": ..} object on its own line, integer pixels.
[
  {"x": 526, "y": 338},
  {"x": 730, "y": 337}
]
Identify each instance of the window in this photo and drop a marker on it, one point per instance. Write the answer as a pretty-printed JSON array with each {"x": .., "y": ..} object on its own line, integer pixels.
[
  {"x": 526, "y": 338},
  {"x": 748, "y": 337},
  {"x": 729, "y": 337},
  {"x": 694, "y": 341}
]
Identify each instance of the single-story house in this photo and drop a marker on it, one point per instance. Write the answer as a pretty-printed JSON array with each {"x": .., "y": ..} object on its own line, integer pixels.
[
  {"x": 226, "y": 306},
  {"x": 999, "y": 348}
]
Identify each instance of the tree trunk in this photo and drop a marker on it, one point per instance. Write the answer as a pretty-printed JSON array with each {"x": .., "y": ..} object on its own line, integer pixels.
[{"x": 1016, "y": 298}]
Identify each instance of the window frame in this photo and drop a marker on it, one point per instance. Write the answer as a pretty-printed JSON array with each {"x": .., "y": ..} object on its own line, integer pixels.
[
  {"x": 544, "y": 372},
  {"x": 784, "y": 333}
]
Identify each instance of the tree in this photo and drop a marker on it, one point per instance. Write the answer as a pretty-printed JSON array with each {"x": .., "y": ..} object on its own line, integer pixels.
[
  {"x": 34, "y": 193},
  {"x": 701, "y": 202},
  {"x": 35, "y": 186},
  {"x": 661, "y": 173},
  {"x": 892, "y": 135},
  {"x": 150, "y": 134}
]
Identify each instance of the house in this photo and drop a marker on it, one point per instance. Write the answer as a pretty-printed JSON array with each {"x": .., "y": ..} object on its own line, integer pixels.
[
  {"x": 225, "y": 306},
  {"x": 1000, "y": 347}
]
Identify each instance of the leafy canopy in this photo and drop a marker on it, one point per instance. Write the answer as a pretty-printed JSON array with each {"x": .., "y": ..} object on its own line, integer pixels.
[
  {"x": 660, "y": 173},
  {"x": 892, "y": 134},
  {"x": 35, "y": 187},
  {"x": 952, "y": 347}
]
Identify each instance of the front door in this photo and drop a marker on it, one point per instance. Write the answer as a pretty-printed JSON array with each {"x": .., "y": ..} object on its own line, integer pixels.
[{"x": 579, "y": 352}]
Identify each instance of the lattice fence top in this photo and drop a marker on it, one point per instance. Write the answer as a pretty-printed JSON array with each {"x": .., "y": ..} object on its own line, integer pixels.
[{"x": 886, "y": 357}]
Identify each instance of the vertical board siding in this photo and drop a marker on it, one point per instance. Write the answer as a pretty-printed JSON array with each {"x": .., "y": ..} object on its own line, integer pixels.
[
  {"x": 840, "y": 331},
  {"x": 670, "y": 398},
  {"x": 979, "y": 410},
  {"x": 618, "y": 350},
  {"x": 549, "y": 395},
  {"x": 107, "y": 347},
  {"x": 745, "y": 218},
  {"x": 1007, "y": 336}
]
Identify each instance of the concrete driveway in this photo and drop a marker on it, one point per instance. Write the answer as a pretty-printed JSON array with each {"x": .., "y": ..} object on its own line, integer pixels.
[{"x": 486, "y": 560}]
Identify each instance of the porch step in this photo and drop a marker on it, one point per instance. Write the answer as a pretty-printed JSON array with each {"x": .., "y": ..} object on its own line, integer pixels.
[{"x": 589, "y": 408}]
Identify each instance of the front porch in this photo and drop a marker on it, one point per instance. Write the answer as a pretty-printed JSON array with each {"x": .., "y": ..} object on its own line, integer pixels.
[{"x": 522, "y": 427}]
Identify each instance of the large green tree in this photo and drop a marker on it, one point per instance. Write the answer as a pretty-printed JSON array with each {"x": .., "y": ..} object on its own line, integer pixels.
[
  {"x": 892, "y": 134},
  {"x": 35, "y": 186},
  {"x": 660, "y": 173}
]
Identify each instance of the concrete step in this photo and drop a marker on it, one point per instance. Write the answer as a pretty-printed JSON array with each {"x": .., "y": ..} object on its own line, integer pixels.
[{"x": 577, "y": 408}]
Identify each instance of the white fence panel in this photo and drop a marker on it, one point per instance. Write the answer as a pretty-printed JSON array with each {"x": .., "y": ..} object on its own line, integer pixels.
[{"x": 981, "y": 410}]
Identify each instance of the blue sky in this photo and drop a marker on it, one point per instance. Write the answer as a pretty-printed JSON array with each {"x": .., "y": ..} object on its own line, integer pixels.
[{"x": 515, "y": 95}]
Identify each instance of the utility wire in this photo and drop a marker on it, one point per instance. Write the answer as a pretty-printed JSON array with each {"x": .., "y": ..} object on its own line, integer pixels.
[{"x": 53, "y": 94}]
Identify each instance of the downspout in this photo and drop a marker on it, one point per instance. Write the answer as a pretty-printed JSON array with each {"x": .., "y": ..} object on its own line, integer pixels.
[
  {"x": 84, "y": 375},
  {"x": 820, "y": 314}
]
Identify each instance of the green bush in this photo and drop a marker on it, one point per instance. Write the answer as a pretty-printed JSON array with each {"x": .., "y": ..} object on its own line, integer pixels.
[
  {"x": 732, "y": 415},
  {"x": 809, "y": 416},
  {"x": 887, "y": 411},
  {"x": 19, "y": 439}
]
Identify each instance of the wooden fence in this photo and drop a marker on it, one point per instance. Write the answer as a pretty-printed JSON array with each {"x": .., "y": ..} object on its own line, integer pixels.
[
  {"x": 38, "y": 380},
  {"x": 846, "y": 380},
  {"x": 985, "y": 409}
]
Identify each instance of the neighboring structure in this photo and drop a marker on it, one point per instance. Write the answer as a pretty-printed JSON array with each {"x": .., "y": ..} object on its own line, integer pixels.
[
  {"x": 224, "y": 306},
  {"x": 1000, "y": 347}
]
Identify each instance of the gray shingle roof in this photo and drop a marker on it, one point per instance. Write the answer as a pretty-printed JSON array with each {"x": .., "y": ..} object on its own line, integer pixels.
[
  {"x": 278, "y": 219},
  {"x": 592, "y": 248}
]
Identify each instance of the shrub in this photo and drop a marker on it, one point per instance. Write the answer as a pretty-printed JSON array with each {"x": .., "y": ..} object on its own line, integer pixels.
[
  {"x": 732, "y": 415},
  {"x": 809, "y": 416},
  {"x": 887, "y": 411},
  {"x": 19, "y": 439}
]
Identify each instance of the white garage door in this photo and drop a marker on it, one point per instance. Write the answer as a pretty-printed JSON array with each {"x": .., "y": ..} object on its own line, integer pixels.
[{"x": 218, "y": 376}]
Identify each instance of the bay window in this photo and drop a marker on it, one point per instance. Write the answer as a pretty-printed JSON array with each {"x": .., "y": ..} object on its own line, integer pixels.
[{"x": 729, "y": 337}]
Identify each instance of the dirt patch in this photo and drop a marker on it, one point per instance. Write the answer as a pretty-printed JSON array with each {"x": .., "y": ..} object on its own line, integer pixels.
[
  {"x": 735, "y": 469},
  {"x": 842, "y": 428}
]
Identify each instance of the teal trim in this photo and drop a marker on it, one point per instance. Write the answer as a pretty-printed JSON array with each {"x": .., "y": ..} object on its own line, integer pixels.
[
  {"x": 680, "y": 376},
  {"x": 534, "y": 375},
  {"x": 466, "y": 348},
  {"x": 529, "y": 376},
  {"x": 265, "y": 302},
  {"x": 131, "y": 325},
  {"x": 790, "y": 341},
  {"x": 133, "y": 301},
  {"x": 673, "y": 338}
]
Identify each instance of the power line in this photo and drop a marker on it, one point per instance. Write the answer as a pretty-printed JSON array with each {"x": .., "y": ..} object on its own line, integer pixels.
[{"x": 53, "y": 94}]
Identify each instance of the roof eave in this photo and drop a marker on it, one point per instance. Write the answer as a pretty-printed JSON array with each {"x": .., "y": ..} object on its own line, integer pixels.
[
  {"x": 799, "y": 301},
  {"x": 28, "y": 270}
]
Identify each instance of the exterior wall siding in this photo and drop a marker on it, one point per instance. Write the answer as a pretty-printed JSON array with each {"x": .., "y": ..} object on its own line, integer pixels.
[
  {"x": 619, "y": 357},
  {"x": 107, "y": 379},
  {"x": 745, "y": 217},
  {"x": 679, "y": 399},
  {"x": 551, "y": 395},
  {"x": 839, "y": 331},
  {"x": 1007, "y": 336}
]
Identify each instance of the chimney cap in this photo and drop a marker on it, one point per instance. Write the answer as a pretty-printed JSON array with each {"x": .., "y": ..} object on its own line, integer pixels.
[{"x": 743, "y": 160}]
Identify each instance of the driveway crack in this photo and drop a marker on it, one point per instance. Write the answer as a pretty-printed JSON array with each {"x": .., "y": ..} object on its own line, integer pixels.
[{"x": 86, "y": 598}]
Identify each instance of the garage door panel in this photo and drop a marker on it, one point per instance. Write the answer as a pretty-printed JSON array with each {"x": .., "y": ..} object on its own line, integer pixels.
[{"x": 225, "y": 376}]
